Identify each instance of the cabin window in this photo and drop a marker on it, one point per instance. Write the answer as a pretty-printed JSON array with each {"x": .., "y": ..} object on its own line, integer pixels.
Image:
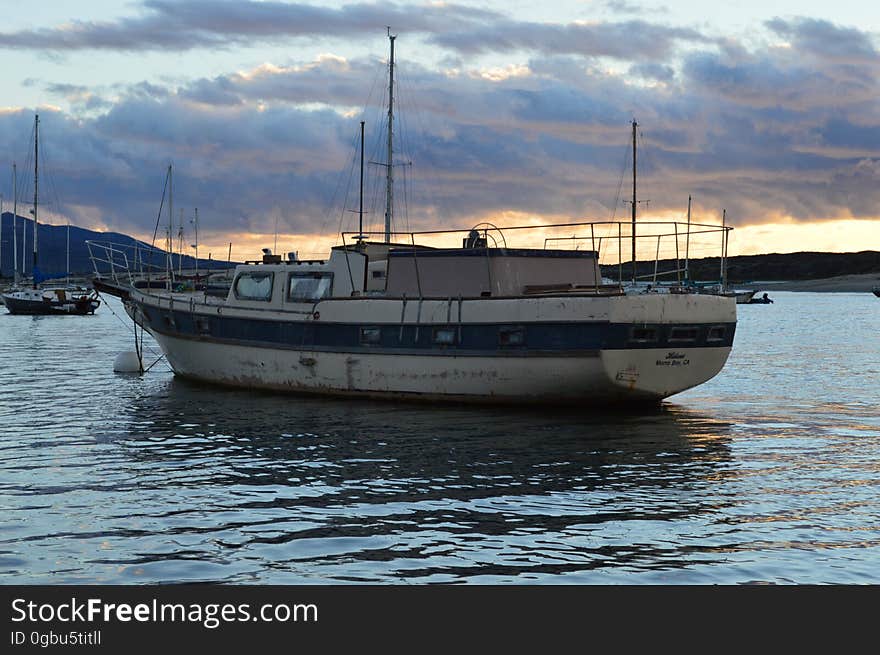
[
  {"x": 309, "y": 286},
  {"x": 254, "y": 286},
  {"x": 643, "y": 334},
  {"x": 377, "y": 275},
  {"x": 444, "y": 336},
  {"x": 371, "y": 336},
  {"x": 682, "y": 334},
  {"x": 716, "y": 333},
  {"x": 203, "y": 326},
  {"x": 511, "y": 337}
]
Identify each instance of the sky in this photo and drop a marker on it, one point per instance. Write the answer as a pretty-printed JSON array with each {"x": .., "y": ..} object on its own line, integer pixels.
[{"x": 506, "y": 112}]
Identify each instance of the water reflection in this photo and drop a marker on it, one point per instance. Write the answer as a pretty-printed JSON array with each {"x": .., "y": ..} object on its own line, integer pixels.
[{"x": 366, "y": 491}]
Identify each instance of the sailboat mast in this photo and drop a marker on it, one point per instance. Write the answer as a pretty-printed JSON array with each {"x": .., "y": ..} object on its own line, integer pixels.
[
  {"x": 169, "y": 266},
  {"x": 389, "y": 177},
  {"x": 196, "y": 212},
  {"x": 361, "y": 208},
  {"x": 36, "y": 184},
  {"x": 687, "y": 245},
  {"x": 723, "y": 249},
  {"x": 14, "y": 224},
  {"x": 180, "y": 245},
  {"x": 67, "y": 270},
  {"x": 634, "y": 205}
]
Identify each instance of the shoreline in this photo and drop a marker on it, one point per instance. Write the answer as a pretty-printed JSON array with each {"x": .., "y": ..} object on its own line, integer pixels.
[{"x": 843, "y": 283}]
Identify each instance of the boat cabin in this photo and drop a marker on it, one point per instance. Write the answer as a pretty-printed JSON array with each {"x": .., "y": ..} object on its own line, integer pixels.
[{"x": 400, "y": 270}]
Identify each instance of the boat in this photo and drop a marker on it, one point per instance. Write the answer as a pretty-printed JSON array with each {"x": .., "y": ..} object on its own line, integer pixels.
[
  {"x": 445, "y": 315},
  {"x": 744, "y": 297},
  {"x": 56, "y": 300},
  {"x": 876, "y": 291}
]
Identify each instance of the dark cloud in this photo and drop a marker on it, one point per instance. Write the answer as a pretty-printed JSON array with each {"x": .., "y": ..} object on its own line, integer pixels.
[
  {"x": 625, "y": 40},
  {"x": 188, "y": 24},
  {"x": 181, "y": 25},
  {"x": 827, "y": 40}
]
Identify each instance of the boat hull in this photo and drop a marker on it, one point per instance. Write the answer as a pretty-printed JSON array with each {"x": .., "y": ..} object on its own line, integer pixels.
[
  {"x": 565, "y": 362},
  {"x": 604, "y": 376}
]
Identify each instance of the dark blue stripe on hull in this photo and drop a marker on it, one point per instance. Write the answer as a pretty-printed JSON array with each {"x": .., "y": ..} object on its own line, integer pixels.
[{"x": 509, "y": 339}]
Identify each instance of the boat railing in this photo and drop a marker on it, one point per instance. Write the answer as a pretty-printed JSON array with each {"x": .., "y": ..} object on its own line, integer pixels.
[
  {"x": 125, "y": 264},
  {"x": 664, "y": 250}
]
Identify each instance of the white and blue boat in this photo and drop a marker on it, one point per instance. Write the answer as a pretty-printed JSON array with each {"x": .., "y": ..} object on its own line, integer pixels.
[{"x": 441, "y": 316}]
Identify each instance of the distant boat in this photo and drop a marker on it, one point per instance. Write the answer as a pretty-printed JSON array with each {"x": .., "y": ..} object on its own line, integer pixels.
[
  {"x": 45, "y": 302},
  {"x": 876, "y": 291},
  {"x": 744, "y": 297},
  {"x": 68, "y": 299},
  {"x": 763, "y": 300}
]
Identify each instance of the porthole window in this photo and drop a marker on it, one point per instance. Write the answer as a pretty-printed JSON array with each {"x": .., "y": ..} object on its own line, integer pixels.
[
  {"x": 511, "y": 337},
  {"x": 716, "y": 333},
  {"x": 643, "y": 334},
  {"x": 683, "y": 334},
  {"x": 370, "y": 336},
  {"x": 444, "y": 336}
]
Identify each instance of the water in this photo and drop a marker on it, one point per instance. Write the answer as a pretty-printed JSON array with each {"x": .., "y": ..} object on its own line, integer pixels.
[{"x": 770, "y": 473}]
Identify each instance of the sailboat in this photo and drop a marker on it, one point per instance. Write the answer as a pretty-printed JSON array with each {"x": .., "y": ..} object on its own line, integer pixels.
[
  {"x": 64, "y": 300},
  {"x": 433, "y": 316}
]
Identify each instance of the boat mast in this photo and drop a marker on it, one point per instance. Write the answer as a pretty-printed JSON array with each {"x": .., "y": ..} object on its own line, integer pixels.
[
  {"x": 723, "y": 249},
  {"x": 389, "y": 177},
  {"x": 36, "y": 171},
  {"x": 361, "y": 209},
  {"x": 687, "y": 245},
  {"x": 14, "y": 226},
  {"x": 180, "y": 245},
  {"x": 197, "y": 244},
  {"x": 67, "y": 269},
  {"x": 634, "y": 204},
  {"x": 169, "y": 244}
]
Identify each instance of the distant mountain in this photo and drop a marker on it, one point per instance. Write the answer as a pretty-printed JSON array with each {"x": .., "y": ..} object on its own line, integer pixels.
[
  {"x": 775, "y": 266},
  {"x": 52, "y": 246}
]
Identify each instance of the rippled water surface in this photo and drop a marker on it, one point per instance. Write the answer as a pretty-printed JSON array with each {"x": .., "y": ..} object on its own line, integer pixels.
[{"x": 768, "y": 473}]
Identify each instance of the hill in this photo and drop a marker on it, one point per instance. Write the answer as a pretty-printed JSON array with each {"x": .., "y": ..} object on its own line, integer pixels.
[
  {"x": 52, "y": 245},
  {"x": 743, "y": 269}
]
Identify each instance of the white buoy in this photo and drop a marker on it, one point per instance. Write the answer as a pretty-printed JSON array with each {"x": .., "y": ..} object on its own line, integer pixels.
[{"x": 127, "y": 362}]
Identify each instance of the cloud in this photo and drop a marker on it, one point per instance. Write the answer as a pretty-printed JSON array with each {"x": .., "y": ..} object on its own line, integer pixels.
[
  {"x": 188, "y": 24},
  {"x": 624, "y": 40},
  {"x": 182, "y": 25},
  {"x": 827, "y": 41},
  {"x": 624, "y": 7},
  {"x": 653, "y": 71},
  {"x": 766, "y": 132}
]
